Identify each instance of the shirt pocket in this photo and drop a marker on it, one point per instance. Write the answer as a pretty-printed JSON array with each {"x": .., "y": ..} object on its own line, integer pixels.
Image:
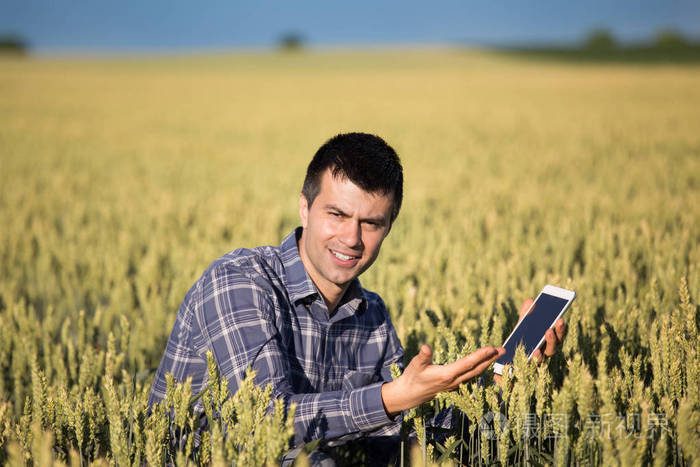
[{"x": 354, "y": 379}]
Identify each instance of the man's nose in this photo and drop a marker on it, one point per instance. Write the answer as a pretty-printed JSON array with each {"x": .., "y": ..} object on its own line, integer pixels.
[{"x": 351, "y": 235}]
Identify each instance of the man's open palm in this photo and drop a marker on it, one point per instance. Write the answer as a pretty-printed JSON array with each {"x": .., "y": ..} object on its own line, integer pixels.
[{"x": 421, "y": 381}]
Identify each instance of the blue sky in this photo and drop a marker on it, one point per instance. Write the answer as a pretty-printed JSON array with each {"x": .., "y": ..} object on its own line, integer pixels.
[{"x": 99, "y": 25}]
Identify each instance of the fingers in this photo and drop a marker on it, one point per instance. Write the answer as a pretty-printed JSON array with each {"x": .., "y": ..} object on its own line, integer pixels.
[
  {"x": 525, "y": 308},
  {"x": 560, "y": 329},
  {"x": 480, "y": 368},
  {"x": 483, "y": 356},
  {"x": 537, "y": 355},
  {"x": 552, "y": 341}
]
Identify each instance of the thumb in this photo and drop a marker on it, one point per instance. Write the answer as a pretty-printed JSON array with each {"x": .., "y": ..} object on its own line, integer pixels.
[{"x": 425, "y": 356}]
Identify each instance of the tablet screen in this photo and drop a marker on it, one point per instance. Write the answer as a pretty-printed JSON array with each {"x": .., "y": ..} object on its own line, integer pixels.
[{"x": 533, "y": 326}]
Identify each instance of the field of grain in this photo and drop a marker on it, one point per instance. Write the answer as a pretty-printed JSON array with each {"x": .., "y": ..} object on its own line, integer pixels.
[{"x": 121, "y": 179}]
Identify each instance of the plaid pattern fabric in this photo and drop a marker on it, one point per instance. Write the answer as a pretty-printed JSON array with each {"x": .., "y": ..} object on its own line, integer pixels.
[{"x": 259, "y": 308}]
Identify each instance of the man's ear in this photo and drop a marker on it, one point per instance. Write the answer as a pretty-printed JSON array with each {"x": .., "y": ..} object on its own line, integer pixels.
[{"x": 303, "y": 210}]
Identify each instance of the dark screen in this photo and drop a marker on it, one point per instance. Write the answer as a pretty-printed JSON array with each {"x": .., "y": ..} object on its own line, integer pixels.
[{"x": 533, "y": 327}]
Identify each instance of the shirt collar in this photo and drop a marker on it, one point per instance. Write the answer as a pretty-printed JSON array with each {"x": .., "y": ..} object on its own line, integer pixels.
[{"x": 299, "y": 284}]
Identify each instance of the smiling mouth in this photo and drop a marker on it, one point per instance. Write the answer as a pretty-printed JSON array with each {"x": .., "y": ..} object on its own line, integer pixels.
[{"x": 343, "y": 257}]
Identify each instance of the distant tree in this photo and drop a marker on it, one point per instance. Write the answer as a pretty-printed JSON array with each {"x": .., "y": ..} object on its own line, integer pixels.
[
  {"x": 291, "y": 41},
  {"x": 669, "y": 39},
  {"x": 600, "y": 39},
  {"x": 13, "y": 44}
]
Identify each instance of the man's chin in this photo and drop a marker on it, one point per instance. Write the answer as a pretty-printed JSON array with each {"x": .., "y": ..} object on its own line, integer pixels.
[{"x": 342, "y": 280}]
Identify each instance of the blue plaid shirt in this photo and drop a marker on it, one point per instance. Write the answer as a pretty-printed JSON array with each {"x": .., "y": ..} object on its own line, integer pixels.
[{"x": 258, "y": 308}]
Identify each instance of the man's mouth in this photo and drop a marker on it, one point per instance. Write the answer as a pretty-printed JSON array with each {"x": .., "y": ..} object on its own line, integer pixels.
[{"x": 342, "y": 256}]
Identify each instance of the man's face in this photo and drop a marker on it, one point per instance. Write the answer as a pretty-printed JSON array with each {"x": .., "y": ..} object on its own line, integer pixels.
[{"x": 343, "y": 231}]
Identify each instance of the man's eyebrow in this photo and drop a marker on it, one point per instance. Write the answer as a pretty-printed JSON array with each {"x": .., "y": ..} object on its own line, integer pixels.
[
  {"x": 332, "y": 207},
  {"x": 376, "y": 220},
  {"x": 381, "y": 220}
]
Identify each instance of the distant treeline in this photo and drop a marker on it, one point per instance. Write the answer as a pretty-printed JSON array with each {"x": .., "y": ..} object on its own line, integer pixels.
[
  {"x": 668, "y": 45},
  {"x": 13, "y": 44}
]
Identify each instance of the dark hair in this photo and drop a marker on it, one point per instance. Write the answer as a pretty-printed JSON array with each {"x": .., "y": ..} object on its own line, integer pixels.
[{"x": 366, "y": 160}]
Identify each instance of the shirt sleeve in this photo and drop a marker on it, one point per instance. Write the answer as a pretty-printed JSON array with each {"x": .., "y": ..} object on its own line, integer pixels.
[
  {"x": 383, "y": 441},
  {"x": 395, "y": 351},
  {"x": 236, "y": 324}
]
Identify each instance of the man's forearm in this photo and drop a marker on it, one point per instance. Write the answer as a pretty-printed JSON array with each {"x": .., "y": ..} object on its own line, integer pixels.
[{"x": 333, "y": 414}]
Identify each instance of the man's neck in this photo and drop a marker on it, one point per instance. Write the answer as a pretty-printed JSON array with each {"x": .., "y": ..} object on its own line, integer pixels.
[
  {"x": 332, "y": 301},
  {"x": 332, "y": 293}
]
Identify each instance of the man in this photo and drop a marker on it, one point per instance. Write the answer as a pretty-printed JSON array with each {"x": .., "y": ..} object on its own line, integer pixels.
[{"x": 298, "y": 316}]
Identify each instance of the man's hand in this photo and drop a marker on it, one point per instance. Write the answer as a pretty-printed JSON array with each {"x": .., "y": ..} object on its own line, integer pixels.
[
  {"x": 421, "y": 380},
  {"x": 552, "y": 338}
]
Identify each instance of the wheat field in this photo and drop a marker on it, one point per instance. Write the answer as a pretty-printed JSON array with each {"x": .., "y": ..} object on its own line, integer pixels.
[{"x": 122, "y": 178}]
